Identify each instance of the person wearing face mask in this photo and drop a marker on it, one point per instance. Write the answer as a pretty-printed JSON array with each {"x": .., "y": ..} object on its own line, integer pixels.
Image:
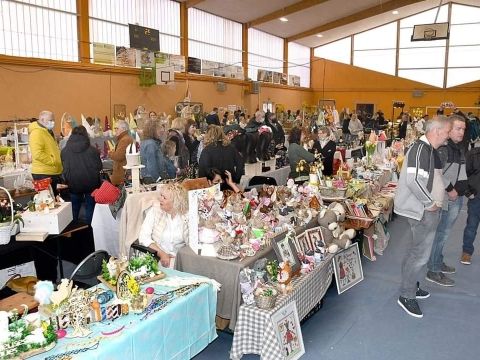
[
  {"x": 46, "y": 160},
  {"x": 325, "y": 146}
]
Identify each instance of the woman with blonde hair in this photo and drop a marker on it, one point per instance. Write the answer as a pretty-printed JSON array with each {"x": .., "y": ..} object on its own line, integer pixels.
[
  {"x": 156, "y": 164},
  {"x": 165, "y": 228},
  {"x": 175, "y": 134},
  {"x": 219, "y": 153}
]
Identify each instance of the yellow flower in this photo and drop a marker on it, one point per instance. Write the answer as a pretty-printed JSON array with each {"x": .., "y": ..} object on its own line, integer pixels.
[{"x": 133, "y": 286}]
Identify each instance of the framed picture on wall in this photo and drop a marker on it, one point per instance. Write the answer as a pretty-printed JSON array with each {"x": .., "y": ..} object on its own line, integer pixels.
[
  {"x": 348, "y": 268},
  {"x": 289, "y": 334},
  {"x": 119, "y": 111}
]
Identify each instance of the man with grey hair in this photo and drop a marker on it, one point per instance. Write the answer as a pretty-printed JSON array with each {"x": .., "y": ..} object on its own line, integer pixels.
[
  {"x": 455, "y": 179},
  {"x": 118, "y": 155},
  {"x": 418, "y": 198},
  {"x": 46, "y": 161}
]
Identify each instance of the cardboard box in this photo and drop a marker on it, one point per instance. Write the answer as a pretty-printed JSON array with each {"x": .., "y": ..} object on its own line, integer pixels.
[{"x": 53, "y": 222}]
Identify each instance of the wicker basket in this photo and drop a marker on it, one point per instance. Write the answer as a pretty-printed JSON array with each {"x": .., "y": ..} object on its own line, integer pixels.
[
  {"x": 265, "y": 302},
  {"x": 332, "y": 192},
  {"x": 6, "y": 228}
]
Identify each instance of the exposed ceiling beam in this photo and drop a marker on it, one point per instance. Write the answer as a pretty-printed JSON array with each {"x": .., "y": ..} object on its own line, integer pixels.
[
  {"x": 299, "y": 6},
  {"x": 192, "y": 3},
  {"x": 364, "y": 14}
]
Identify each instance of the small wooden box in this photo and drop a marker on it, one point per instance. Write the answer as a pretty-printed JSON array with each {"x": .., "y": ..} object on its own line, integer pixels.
[{"x": 53, "y": 222}]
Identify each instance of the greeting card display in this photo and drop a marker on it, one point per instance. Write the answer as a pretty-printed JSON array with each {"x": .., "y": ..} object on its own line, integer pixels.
[
  {"x": 288, "y": 331},
  {"x": 348, "y": 268}
]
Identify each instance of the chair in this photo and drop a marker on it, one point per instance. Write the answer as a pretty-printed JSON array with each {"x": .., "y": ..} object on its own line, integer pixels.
[
  {"x": 136, "y": 249},
  {"x": 258, "y": 181},
  {"x": 85, "y": 274}
]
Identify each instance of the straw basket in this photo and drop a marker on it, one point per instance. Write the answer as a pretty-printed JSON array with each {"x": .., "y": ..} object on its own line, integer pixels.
[
  {"x": 6, "y": 228},
  {"x": 265, "y": 302}
]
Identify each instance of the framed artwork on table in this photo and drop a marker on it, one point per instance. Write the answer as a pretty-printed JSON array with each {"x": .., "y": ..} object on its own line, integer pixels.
[
  {"x": 289, "y": 334},
  {"x": 285, "y": 250},
  {"x": 348, "y": 268},
  {"x": 314, "y": 236},
  {"x": 300, "y": 241}
]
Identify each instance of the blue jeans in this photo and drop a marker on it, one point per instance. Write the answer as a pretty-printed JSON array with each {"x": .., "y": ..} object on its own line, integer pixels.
[
  {"x": 473, "y": 219},
  {"x": 418, "y": 251},
  {"x": 447, "y": 220},
  {"x": 77, "y": 200}
]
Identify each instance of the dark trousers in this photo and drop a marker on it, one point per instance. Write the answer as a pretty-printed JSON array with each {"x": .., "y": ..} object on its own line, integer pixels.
[{"x": 77, "y": 200}]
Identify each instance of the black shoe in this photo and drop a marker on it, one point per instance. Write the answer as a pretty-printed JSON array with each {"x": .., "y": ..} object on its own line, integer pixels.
[
  {"x": 447, "y": 269},
  {"x": 410, "y": 306},
  {"x": 422, "y": 294}
]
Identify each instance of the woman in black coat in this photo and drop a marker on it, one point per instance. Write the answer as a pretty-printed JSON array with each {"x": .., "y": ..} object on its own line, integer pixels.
[
  {"x": 219, "y": 153},
  {"x": 327, "y": 147},
  {"x": 81, "y": 171}
]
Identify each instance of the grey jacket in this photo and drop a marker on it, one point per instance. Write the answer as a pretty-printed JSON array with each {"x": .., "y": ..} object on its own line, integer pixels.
[
  {"x": 454, "y": 171},
  {"x": 420, "y": 185}
]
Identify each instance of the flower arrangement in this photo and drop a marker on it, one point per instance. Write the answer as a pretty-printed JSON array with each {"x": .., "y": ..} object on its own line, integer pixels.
[{"x": 6, "y": 213}]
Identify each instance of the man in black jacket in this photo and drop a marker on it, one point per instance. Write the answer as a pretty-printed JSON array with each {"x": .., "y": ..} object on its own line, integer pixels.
[
  {"x": 455, "y": 179},
  {"x": 277, "y": 131},
  {"x": 473, "y": 194},
  {"x": 212, "y": 118}
]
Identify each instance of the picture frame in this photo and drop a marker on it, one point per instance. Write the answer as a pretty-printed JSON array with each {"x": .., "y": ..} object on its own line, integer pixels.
[
  {"x": 300, "y": 241},
  {"x": 285, "y": 250},
  {"x": 120, "y": 111},
  {"x": 313, "y": 235},
  {"x": 288, "y": 331},
  {"x": 347, "y": 266}
]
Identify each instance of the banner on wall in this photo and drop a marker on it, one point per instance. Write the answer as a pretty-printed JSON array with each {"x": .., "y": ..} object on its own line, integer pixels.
[
  {"x": 103, "y": 54},
  {"x": 125, "y": 56}
]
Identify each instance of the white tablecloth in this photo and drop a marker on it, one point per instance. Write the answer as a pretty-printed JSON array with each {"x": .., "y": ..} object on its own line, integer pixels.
[
  {"x": 280, "y": 175},
  {"x": 105, "y": 229}
]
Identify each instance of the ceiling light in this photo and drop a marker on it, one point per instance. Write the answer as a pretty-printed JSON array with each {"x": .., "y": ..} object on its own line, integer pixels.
[
  {"x": 319, "y": 35},
  {"x": 283, "y": 19},
  {"x": 395, "y": 12}
]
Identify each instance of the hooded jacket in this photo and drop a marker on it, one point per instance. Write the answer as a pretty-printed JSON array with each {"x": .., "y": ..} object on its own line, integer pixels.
[
  {"x": 45, "y": 151},
  {"x": 420, "y": 185},
  {"x": 81, "y": 165}
]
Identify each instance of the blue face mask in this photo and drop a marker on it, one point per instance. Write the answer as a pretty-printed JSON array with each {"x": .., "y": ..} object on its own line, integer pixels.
[{"x": 50, "y": 125}]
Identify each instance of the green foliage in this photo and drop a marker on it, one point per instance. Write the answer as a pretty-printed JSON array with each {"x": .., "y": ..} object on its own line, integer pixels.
[
  {"x": 144, "y": 260},
  {"x": 106, "y": 273}
]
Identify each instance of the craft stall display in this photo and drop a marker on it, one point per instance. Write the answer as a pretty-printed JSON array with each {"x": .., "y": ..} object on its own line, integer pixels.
[{"x": 135, "y": 322}]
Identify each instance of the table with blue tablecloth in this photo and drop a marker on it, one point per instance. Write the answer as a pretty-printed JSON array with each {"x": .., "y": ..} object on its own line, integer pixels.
[{"x": 179, "y": 331}]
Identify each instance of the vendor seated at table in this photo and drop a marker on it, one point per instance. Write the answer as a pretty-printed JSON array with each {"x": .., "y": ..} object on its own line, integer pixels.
[
  {"x": 297, "y": 152},
  {"x": 165, "y": 228},
  {"x": 215, "y": 176}
]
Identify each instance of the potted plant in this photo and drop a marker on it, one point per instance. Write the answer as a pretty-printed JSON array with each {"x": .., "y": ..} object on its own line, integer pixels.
[{"x": 10, "y": 218}]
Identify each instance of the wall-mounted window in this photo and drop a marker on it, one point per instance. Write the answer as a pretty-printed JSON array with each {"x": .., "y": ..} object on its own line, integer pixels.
[
  {"x": 39, "y": 29},
  {"x": 214, "y": 38},
  {"x": 422, "y": 61},
  {"x": 265, "y": 52},
  {"x": 339, "y": 51},
  {"x": 299, "y": 62},
  {"x": 464, "y": 46},
  {"x": 376, "y": 49},
  {"x": 109, "y": 21}
]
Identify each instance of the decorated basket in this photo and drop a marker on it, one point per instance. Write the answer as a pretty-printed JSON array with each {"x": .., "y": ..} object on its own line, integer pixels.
[
  {"x": 265, "y": 298},
  {"x": 332, "y": 192},
  {"x": 265, "y": 302}
]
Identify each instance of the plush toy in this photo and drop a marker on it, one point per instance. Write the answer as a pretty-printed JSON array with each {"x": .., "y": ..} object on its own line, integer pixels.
[
  {"x": 334, "y": 236},
  {"x": 339, "y": 210},
  {"x": 247, "y": 285},
  {"x": 259, "y": 268}
]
